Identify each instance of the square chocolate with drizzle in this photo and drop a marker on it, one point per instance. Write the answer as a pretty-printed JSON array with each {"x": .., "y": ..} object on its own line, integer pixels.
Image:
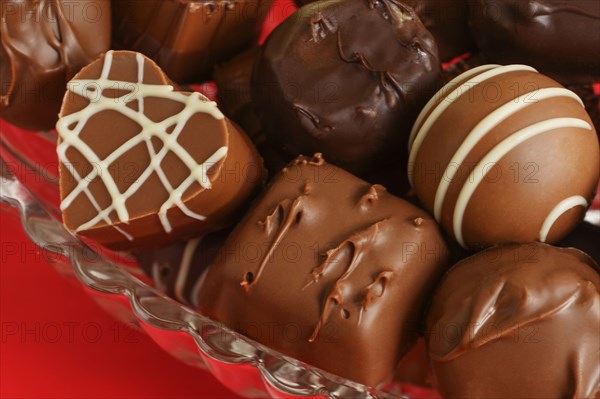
[{"x": 328, "y": 269}]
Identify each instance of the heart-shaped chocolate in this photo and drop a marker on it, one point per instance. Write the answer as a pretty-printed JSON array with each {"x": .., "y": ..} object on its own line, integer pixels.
[{"x": 142, "y": 162}]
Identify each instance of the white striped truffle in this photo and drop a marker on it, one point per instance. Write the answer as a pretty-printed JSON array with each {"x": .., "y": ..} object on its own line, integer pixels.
[{"x": 504, "y": 154}]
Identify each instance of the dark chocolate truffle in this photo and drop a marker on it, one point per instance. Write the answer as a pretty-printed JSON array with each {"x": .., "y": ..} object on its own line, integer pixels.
[
  {"x": 560, "y": 38},
  {"x": 44, "y": 44},
  {"x": 346, "y": 78},
  {"x": 505, "y": 154},
  {"x": 447, "y": 20},
  {"x": 328, "y": 269},
  {"x": 187, "y": 37},
  {"x": 518, "y": 321},
  {"x": 143, "y": 163}
]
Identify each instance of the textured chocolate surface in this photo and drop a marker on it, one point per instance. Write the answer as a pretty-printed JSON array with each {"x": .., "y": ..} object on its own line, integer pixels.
[
  {"x": 447, "y": 20},
  {"x": 185, "y": 37},
  {"x": 176, "y": 269},
  {"x": 44, "y": 44},
  {"x": 143, "y": 163},
  {"x": 346, "y": 78},
  {"x": 520, "y": 158},
  {"x": 518, "y": 321},
  {"x": 328, "y": 269},
  {"x": 557, "y": 37}
]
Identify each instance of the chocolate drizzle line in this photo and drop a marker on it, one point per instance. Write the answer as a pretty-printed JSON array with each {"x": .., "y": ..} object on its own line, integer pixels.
[
  {"x": 375, "y": 290},
  {"x": 358, "y": 242},
  {"x": 286, "y": 213}
]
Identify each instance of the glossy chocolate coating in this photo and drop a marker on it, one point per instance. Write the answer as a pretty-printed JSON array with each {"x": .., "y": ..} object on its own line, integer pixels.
[
  {"x": 186, "y": 37},
  {"x": 520, "y": 158},
  {"x": 169, "y": 195},
  {"x": 177, "y": 269},
  {"x": 233, "y": 80},
  {"x": 346, "y": 78},
  {"x": 330, "y": 270},
  {"x": 44, "y": 44},
  {"x": 518, "y": 321},
  {"x": 447, "y": 20},
  {"x": 557, "y": 37}
]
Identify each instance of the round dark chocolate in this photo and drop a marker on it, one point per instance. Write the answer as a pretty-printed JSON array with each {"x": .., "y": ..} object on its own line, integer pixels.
[
  {"x": 560, "y": 38},
  {"x": 504, "y": 154},
  {"x": 44, "y": 44},
  {"x": 346, "y": 78},
  {"x": 517, "y": 321},
  {"x": 447, "y": 20}
]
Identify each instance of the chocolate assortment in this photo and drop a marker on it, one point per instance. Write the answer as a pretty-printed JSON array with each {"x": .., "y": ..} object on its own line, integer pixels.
[
  {"x": 177, "y": 166},
  {"x": 521, "y": 155},
  {"x": 517, "y": 321},
  {"x": 187, "y": 38},
  {"x": 44, "y": 44},
  {"x": 328, "y": 81},
  {"x": 344, "y": 264}
]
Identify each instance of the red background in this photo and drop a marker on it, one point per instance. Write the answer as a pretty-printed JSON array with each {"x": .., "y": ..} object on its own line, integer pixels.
[{"x": 55, "y": 341}]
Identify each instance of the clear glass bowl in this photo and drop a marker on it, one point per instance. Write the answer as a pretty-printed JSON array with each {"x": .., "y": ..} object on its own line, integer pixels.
[{"x": 29, "y": 182}]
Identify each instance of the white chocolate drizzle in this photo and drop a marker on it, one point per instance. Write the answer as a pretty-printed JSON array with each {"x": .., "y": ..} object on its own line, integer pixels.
[
  {"x": 495, "y": 154},
  {"x": 483, "y": 128},
  {"x": 559, "y": 209},
  {"x": 422, "y": 129},
  {"x": 93, "y": 91}
]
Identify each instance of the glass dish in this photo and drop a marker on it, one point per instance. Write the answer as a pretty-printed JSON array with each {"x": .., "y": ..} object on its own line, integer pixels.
[{"x": 29, "y": 182}]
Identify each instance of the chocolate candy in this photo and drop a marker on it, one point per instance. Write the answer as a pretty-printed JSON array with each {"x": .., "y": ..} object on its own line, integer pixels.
[
  {"x": 346, "y": 78},
  {"x": 143, "y": 163},
  {"x": 177, "y": 269},
  {"x": 504, "y": 154},
  {"x": 328, "y": 269},
  {"x": 447, "y": 20},
  {"x": 185, "y": 37},
  {"x": 555, "y": 36},
  {"x": 234, "y": 95},
  {"x": 45, "y": 43},
  {"x": 518, "y": 321}
]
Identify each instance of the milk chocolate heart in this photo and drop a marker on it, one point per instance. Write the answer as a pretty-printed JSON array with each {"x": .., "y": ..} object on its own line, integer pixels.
[{"x": 142, "y": 162}]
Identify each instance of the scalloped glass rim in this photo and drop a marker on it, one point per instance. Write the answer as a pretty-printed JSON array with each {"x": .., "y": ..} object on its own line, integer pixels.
[{"x": 260, "y": 371}]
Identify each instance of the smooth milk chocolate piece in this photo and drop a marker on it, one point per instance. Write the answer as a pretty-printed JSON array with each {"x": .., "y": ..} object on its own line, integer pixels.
[
  {"x": 346, "y": 78},
  {"x": 177, "y": 269},
  {"x": 504, "y": 154},
  {"x": 44, "y": 44},
  {"x": 142, "y": 163},
  {"x": 187, "y": 37},
  {"x": 517, "y": 321},
  {"x": 557, "y": 37},
  {"x": 330, "y": 270}
]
